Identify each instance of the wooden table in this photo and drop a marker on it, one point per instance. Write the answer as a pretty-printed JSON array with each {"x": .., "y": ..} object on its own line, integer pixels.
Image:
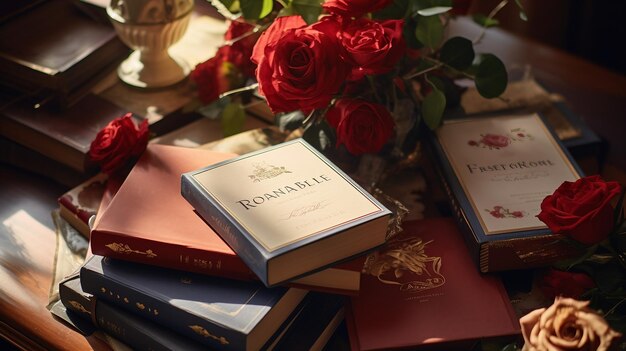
[{"x": 27, "y": 256}]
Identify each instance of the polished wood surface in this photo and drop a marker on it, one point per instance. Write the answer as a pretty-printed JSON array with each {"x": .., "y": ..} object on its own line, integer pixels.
[{"x": 27, "y": 253}]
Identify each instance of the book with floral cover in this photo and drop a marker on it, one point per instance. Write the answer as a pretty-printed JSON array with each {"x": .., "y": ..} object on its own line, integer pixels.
[
  {"x": 422, "y": 290},
  {"x": 148, "y": 221},
  {"x": 520, "y": 161}
]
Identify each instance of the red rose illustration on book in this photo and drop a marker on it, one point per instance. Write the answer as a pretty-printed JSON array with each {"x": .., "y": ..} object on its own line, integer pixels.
[
  {"x": 498, "y": 141},
  {"x": 501, "y": 212}
]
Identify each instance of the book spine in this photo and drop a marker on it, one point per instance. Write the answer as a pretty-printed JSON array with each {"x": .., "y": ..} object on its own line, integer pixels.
[
  {"x": 479, "y": 255},
  {"x": 136, "y": 332},
  {"x": 170, "y": 256},
  {"x": 161, "y": 312},
  {"x": 225, "y": 226}
]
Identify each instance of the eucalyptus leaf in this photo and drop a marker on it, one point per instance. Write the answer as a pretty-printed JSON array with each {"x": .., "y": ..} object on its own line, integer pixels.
[
  {"x": 233, "y": 119},
  {"x": 491, "y": 76},
  {"x": 429, "y": 31},
  {"x": 256, "y": 9},
  {"x": 432, "y": 108},
  {"x": 485, "y": 21},
  {"x": 290, "y": 121},
  {"x": 458, "y": 53},
  {"x": 432, "y": 11},
  {"x": 310, "y": 10}
]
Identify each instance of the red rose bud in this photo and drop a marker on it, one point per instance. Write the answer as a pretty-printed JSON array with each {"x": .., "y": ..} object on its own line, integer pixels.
[
  {"x": 373, "y": 47},
  {"x": 240, "y": 51},
  {"x": 361, "y": 126},
  {"x": 581, "y": 210},
  {"x": 299, "y": 67},
  {"x": 354, "y": 8},
  {"x": 118, "y": 143},
  {"x": 494, "y": 140},
  {"x": 567, "y": 284}
]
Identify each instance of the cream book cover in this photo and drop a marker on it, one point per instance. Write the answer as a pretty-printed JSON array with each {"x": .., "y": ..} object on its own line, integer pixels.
[
  {"x": 506, "y": 166},
  {"x": 286, "y": 199}
]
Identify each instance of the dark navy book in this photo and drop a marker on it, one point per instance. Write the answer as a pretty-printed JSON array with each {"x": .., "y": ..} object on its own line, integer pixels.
[
  {"x": 496, "y": 172},
  {"x": 220, "y": 313},
  {"x": 286, "y": 210},
  {"x": 87, "y": 315}
]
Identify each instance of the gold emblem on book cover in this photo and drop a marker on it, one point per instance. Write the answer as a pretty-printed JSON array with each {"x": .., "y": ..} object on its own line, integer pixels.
[
  {"x": 78, "y": 306},
  {"x": 404, "y": 262},
  {"x": 125, "y": 249},
  {"x": 205, "y": 333},
  {"x": 263, "y": 171}
]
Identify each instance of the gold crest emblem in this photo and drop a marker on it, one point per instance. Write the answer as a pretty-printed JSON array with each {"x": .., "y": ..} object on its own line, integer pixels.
[
  {"x": 263, "y": 171},
  {"x": 404, "y": 262}
]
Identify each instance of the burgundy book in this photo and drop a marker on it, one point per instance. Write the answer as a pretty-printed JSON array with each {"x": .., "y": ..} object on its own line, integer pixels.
[
  {"x": 422, "y": 290},
  {"x": 148, "y": 221}
]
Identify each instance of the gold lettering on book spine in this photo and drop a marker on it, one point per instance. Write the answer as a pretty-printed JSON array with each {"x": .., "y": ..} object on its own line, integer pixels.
[
  {"x": 125, "y": 249},
  {"x": 205, "y": 333},
  {"x": 79, "y": 307}
]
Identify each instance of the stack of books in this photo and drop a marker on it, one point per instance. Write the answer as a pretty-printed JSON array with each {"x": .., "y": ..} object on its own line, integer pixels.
[
  {"x": 272, "y": 250},
  {"x": 157, "y": 261}
]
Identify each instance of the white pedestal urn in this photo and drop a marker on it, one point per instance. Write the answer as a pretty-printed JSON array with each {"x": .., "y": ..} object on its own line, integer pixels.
[{"x": 150, "y": 27}]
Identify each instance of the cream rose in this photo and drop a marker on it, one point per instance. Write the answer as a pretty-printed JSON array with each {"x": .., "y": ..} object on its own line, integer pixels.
[{"x": 566, "y": 325}]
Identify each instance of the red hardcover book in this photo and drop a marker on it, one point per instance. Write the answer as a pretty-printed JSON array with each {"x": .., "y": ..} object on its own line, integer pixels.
[
  {"x": 422, "y": 290},
  {"x": 148, "y": 221}
]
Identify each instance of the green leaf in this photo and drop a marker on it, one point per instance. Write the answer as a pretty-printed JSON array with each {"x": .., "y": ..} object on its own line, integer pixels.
[
  {"x": 310, "y": 10},
  {"x": 230, "y": 5},
  {"x": 256, "y": 9},
  {"x": 485, "y": 21},
  {"x": 609, "y": 277},
  {"x": 233, "y": 119},
  {"x": 397, "y": 9},
  {"x": 320, "y": 136},
  {"x": 522, "y": 13},
  {"x": 418, "y": 5},
  {"x": 429, "y": 31},
  {"x": 432, "y": 11},
  {"x": 432, "y": 108},
  {"x": 290, "y": 121},
  {"x": 457, "y": 52},
  {"x": 491, "y": 76}
]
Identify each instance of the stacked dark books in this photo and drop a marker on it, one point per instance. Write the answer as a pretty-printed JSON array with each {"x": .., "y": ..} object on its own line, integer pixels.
[{"x": 164, "y": 275}]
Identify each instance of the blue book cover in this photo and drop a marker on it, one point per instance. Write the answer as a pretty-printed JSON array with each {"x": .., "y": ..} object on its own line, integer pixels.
[
  {"x": 286, "y": 210},
  {"x": 86, "y": 314},
  {"x": 496, "y": 171},
  {"x": 217, "y": 312}
]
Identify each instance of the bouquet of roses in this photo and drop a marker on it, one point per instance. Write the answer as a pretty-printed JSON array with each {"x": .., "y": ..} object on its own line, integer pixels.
[{"x": 357, "y": 74}]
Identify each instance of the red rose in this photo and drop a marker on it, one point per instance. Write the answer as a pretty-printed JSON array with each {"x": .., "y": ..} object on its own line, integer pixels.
[
  {"x": 363, "y": 127},
  {"x": 207, "y": 80},
  {"x": 581, "y": 210},
  {"x": 373, "y": 47},
  {"x": 299, "y": 66},
  {"x": 238, "y": 53},
  {"x": 354, "y": 8},
  {"x": 118, "y": 143},
  {"x": 567, "y": 284},
  {"x": 494, "y": 140}
]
